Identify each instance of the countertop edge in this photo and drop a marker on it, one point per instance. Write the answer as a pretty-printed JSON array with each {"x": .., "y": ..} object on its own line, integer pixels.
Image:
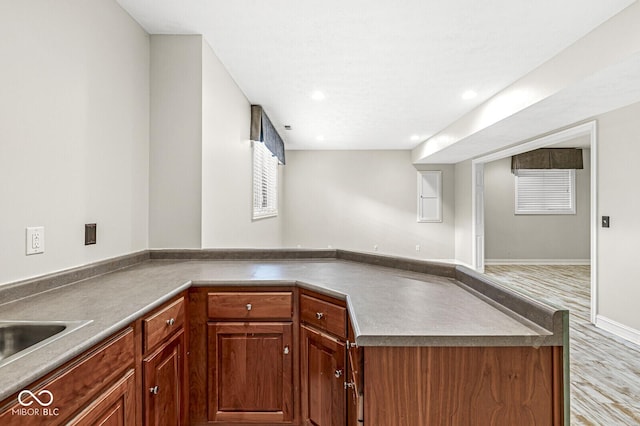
[
  {"x": 552, "y": 319},
  {"x": 77, "y": 349}
]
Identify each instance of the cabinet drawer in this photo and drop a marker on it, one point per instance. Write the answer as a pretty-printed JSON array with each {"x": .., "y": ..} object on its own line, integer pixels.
[
  {"x": 162, "y": 324},
  {"x": 77, "y": 384},
  {"x": 324, "y": 315},
  {"x": 250, "y": 305}
]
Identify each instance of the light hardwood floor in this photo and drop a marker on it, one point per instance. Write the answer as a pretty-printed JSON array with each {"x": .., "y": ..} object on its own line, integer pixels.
[{"x": 605, "y": 370}]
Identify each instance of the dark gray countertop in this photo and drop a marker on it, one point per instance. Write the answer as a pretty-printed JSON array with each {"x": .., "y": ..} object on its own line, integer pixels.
[{"x": 388, "y": 307}]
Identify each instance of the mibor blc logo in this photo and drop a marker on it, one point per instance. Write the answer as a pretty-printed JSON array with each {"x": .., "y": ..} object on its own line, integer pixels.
[{"x": 35, "y": 404}]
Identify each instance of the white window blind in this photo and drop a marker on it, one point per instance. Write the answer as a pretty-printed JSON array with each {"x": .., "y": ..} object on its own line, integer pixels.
[
  {"x": 549, "y": 191},
  {"x": 265, "y": 182}
]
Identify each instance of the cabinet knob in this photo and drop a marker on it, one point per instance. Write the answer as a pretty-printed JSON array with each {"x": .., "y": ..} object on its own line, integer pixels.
[
  {"x": 249, "y": 306},
  {"x": 319, "y": 315},
  {"x": 154, "y": 390},
  {"x": 171, "y": 321},
  {"x": 348, "y": 385},
  {"x": 286, "y": 350},
  {"x": 338, "y": 374}
]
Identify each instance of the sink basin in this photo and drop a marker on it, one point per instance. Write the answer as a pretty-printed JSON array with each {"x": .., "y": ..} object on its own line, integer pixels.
[{"x": 18, "y": 338}]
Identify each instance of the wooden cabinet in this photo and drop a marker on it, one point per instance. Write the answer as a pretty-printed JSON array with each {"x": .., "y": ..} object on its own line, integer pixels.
[
  {"x": 355, "y": 381},
  {"x": 164, "y": 365},
  {"x": 322, "y": 378},
  {"x": 137, "y": 375},
  {"x": 249, "y": 354},
  {"x": 325, "y": 315},
  {"x": 114, "y": 407},
  {"x": 163, "y": 383},
  {"x": 323, "y": 372},
  {"x": 83, "y": 385},
  {"x": 250, "y": 305},
  {"x": 483, "y": 386},
  {"x": 274, "y": 356},
  {"x": 163, "y": 323},
  {"x": 250, "y": 372}
]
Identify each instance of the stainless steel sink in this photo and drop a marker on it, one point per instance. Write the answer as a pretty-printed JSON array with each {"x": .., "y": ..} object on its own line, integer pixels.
[{"x": 18, "y": 338}]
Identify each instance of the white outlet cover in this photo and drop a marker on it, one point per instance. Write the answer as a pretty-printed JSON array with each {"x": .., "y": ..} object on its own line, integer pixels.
[{"x": 35, "y": 240}]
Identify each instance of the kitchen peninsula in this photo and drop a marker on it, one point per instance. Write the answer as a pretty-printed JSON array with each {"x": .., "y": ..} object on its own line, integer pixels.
[{"x": 422, "y": 342}]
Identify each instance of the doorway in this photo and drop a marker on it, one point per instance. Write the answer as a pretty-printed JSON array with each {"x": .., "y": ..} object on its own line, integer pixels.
[{"x": 589, "y": 130}]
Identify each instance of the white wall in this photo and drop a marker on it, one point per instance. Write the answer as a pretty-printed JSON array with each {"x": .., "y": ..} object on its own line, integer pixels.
[
  {"x": 175, "y": 179},
  {"x": 227, "y": 165},
  {"x": 74, "y": 118},
  {"x": 463, "y": 213},
  {"x": 201, "y": 157},
  {"x": 553, "y": 238},
  {"x": 619, "y": 245},
  {"x": 358, "y": 199}
]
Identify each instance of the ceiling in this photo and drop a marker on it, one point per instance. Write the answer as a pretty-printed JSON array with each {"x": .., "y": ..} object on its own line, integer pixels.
[
  {"x": 392, "y": 73},
  {"x": 610, "y": 88}
]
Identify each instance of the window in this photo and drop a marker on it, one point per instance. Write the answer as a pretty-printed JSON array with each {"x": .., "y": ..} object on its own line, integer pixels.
[
  {"x": 265, "y": 182},
  {"x": 430, "y": 196},
  {"x": 549, "y": 191}
]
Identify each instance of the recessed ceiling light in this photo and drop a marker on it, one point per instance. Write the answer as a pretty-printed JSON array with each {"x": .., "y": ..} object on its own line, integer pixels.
[
  {"x": 415, "y": 138},
  {"x": 317, "y": 95},
  {"x": 319, "y": 138},
  {"x": 469, "y": 94}
]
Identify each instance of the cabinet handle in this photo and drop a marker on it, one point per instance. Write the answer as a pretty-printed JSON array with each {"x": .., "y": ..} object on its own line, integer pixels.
[
  {"x": 337, "y": 373},
  {"x": 249, "y": 306},
  {"x": 348, "y": 385},
  {"x": 319, "y": 315},
  {"x": 171, "y": 321},
  {"x": 154, "y": 390},
  {"x": 286, "y": 350}
]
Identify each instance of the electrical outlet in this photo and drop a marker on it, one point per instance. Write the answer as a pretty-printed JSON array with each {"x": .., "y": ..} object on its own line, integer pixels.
[
  {"x": 375, "y": 247},
  {"x": 35, "y": 240},
  {"x": 417, "y": 247}
]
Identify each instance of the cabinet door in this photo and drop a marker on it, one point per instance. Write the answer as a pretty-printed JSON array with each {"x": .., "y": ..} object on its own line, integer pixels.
[
  {"x": 323, "y": 376},
  {"x": 355, "y": 403},
  {"x": 163, "y": 384},
  {"x": 114, "y": 407},
  {"x": 355, "y": 379},
  {"x": 250, "y": 372}
]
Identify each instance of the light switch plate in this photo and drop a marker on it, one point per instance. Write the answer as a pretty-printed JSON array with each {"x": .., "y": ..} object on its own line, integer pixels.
[{"x": 35, "y": 240}]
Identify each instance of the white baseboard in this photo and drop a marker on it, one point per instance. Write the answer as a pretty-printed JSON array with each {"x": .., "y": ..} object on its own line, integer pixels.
[
  {"x": 620, "y": 330},
  {"x": 537, "y": 262}
]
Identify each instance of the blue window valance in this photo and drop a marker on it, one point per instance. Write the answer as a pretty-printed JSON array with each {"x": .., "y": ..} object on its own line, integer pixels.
[{"x": 262, "y": 130}]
